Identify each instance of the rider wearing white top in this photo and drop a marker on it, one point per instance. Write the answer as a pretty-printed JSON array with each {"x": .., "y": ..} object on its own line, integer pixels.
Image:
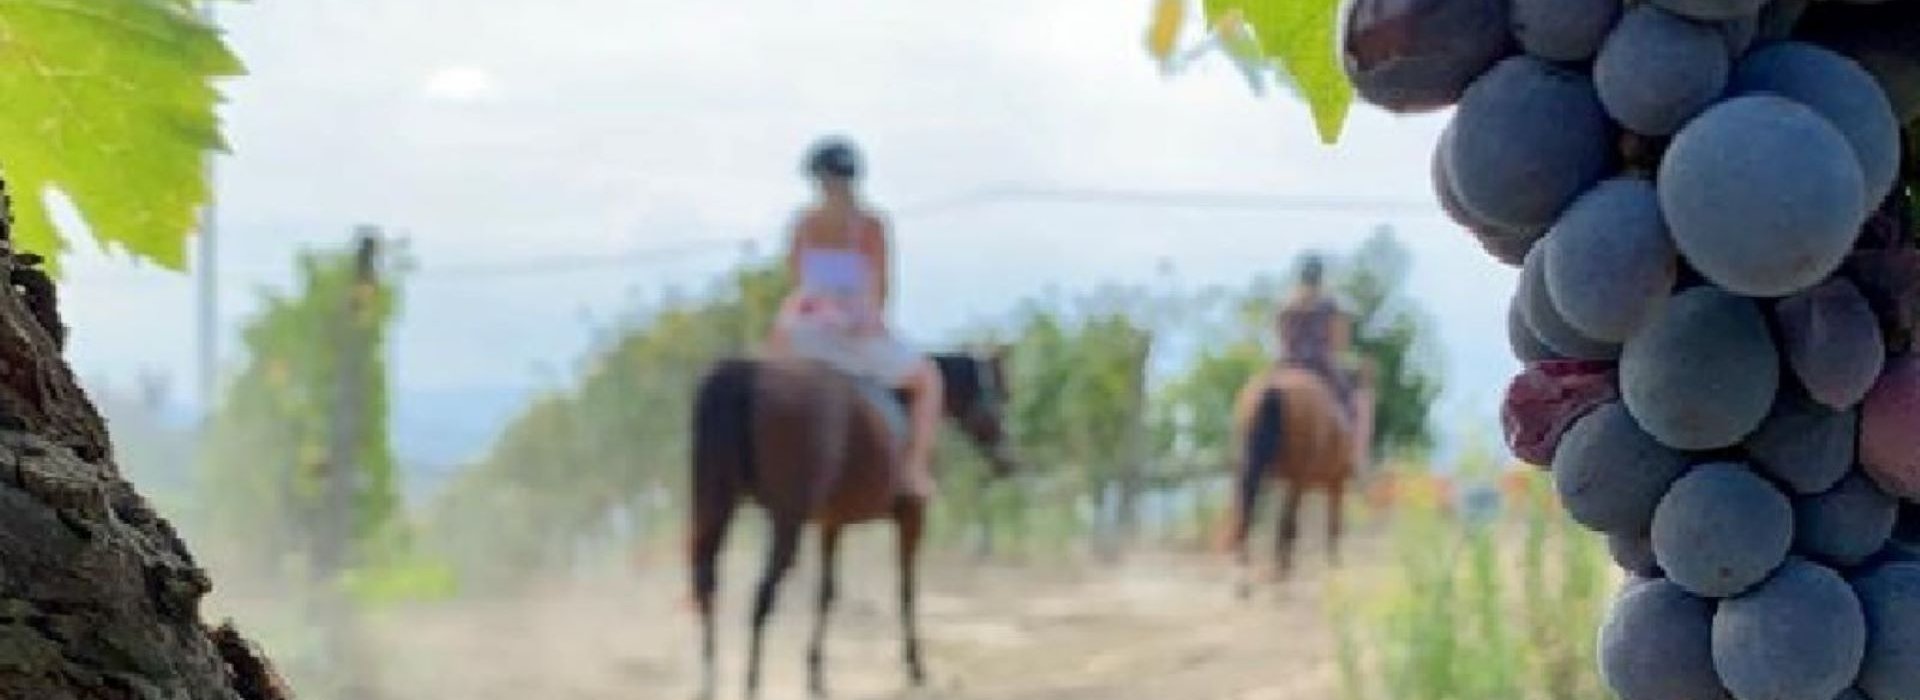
[{"x": 838, "y": 257}]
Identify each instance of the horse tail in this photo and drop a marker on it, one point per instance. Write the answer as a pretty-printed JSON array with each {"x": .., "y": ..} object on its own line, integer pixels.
[
  {"x": 722, "y": 464},
  {"x": 723, "y": 420},
  {"x": 1264, "y": 431},
  {"x": 1259, "y": 451}
]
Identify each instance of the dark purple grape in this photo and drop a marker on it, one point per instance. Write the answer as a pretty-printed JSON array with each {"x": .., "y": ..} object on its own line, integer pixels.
[
  {"x": 1419, "y": 55},
  {"x": 1656, "y": 644},
  {"x": 1721, "y": 530},
  {"x": 1528, "y": 138},
  {"x": 1832, "y": 341},
  {"x": 1801, "y": 634},
  {"x": 1890, "y": 598}
]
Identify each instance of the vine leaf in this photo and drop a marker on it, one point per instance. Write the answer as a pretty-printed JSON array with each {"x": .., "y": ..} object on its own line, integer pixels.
[
  {"x": 1299, "y": 38},
  {"x": 110, "y": 103}
]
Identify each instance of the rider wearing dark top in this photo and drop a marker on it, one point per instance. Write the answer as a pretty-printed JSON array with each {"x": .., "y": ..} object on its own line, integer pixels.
[{"x": 1314, "y": 332}]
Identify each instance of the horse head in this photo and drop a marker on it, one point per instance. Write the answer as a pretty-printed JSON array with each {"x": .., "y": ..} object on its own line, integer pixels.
[{"x": 976, "y": 401}]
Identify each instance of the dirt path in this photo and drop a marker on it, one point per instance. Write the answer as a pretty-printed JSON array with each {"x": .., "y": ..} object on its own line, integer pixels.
[{"x": 1158, "y": 627}]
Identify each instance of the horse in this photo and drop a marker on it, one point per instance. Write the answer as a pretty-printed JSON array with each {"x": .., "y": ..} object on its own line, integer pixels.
[
  {"x": 1289, "y": 429},
  {"x": 811, "y": 445}
]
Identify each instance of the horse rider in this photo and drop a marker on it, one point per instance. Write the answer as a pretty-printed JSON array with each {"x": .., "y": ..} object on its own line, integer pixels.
[
  {"x": 1315, "y": 333},
  {"x": 839, "y": 259}
]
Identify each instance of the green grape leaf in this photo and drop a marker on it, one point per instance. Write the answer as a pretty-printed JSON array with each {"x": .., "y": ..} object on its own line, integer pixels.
[
  {"x": 110, "y": 103},
  {"x": 1298, "y": 36}
]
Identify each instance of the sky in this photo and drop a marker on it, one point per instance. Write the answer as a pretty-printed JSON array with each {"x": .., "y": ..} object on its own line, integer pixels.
[{"x": 507, "y": 140}]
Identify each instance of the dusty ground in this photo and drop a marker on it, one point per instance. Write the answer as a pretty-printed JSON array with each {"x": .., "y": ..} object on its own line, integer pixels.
[{"x": 1158, "y": 626}]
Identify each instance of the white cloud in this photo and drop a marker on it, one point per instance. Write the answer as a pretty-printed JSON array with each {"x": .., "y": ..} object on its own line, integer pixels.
[{"x": 460, "y": 84}]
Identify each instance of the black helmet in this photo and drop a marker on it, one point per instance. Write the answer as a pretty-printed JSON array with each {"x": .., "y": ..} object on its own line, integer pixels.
[
  {"x": 833, "y": 157},
  {"x": 1312, "y": 269}
]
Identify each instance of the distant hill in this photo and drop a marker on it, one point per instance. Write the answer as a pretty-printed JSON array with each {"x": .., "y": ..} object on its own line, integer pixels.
[{"x": 436, "y": 430}]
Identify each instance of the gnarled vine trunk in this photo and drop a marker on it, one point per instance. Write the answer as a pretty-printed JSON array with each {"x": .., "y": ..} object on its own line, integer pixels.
[{"x": 99, "y": 598}]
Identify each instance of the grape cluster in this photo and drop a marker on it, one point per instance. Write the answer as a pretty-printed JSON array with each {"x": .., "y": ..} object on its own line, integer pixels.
[{"x": 1685, "y": 185}]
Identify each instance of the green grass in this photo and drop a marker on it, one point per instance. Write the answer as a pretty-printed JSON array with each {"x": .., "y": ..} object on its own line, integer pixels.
[{"x": 1502, "y": 610}]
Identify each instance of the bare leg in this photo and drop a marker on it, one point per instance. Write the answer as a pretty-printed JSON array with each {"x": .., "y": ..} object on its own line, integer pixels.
[
  {"x": 786, "y": 540},
  {"x": 927, "y": 394},
  {"x": 816, "y": 654},
  {"x": 911, "y": 517}
]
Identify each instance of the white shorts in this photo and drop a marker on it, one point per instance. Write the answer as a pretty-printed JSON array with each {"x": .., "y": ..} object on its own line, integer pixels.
[{"x": 876, "y": 357}]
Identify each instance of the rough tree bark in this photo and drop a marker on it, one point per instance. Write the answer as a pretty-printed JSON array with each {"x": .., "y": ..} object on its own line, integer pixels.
[{"x": 99, "y": 598}]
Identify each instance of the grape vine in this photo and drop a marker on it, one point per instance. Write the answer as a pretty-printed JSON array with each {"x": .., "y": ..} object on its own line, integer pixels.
[{"x": 266, "y": 448}]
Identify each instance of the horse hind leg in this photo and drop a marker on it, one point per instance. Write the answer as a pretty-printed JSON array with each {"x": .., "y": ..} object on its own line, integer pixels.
[
  {"x": 816, "y": 652},
  {"x": 1289, "y": 533},
  {"x": 780, "y": 556},
  {"x": 1336, "y": 509},
  {"x": 710, "y": 532},
  {"x": 713, "y": 513}
]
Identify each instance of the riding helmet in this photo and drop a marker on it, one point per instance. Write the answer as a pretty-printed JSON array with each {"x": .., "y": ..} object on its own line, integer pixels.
[
  {"x": 1312, "y": 269},
  {"x": 834, "y": 157}
]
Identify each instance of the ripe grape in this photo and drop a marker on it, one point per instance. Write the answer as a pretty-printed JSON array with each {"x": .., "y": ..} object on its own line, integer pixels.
[
  {"x": 1536, "y": 307},
  {"x": 1681, "y": 183},
  {"x": 1563, "y": 30},
  {"x": 1419, "y": 55},
  {"x": 1832, "y": 341},
  {"x": 1657, "y": 70},
  {"x": 1889, "y": 441},
  {"x": 1721, "y": 529},
  {"x": 1526, "y": 346},
  {"x": 1801, "y": 634},
  {"x": 1880, "y": 38},
  {"x": 1610, "y": 264},
  {"x": 1704, "y": 373},
  {"x": 1845, "y": 525},
  {"x": 1806, "y": 446},
  {"x": 1890, "y": 598},
  {"x": 1656, "y": 644},
  {"x": 1763, "y": 195},
  {"x": 1634, "y": 555},
  {"x": 1528, "y": 137},
  {"x": 1506, "y": 245},
  {"x": 1842, "y": 92},
  {"x": 1610, "y": 474}
]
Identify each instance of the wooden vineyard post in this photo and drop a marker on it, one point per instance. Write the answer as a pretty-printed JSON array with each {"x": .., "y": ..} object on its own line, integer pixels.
[{"x": 344, "y": 477}]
